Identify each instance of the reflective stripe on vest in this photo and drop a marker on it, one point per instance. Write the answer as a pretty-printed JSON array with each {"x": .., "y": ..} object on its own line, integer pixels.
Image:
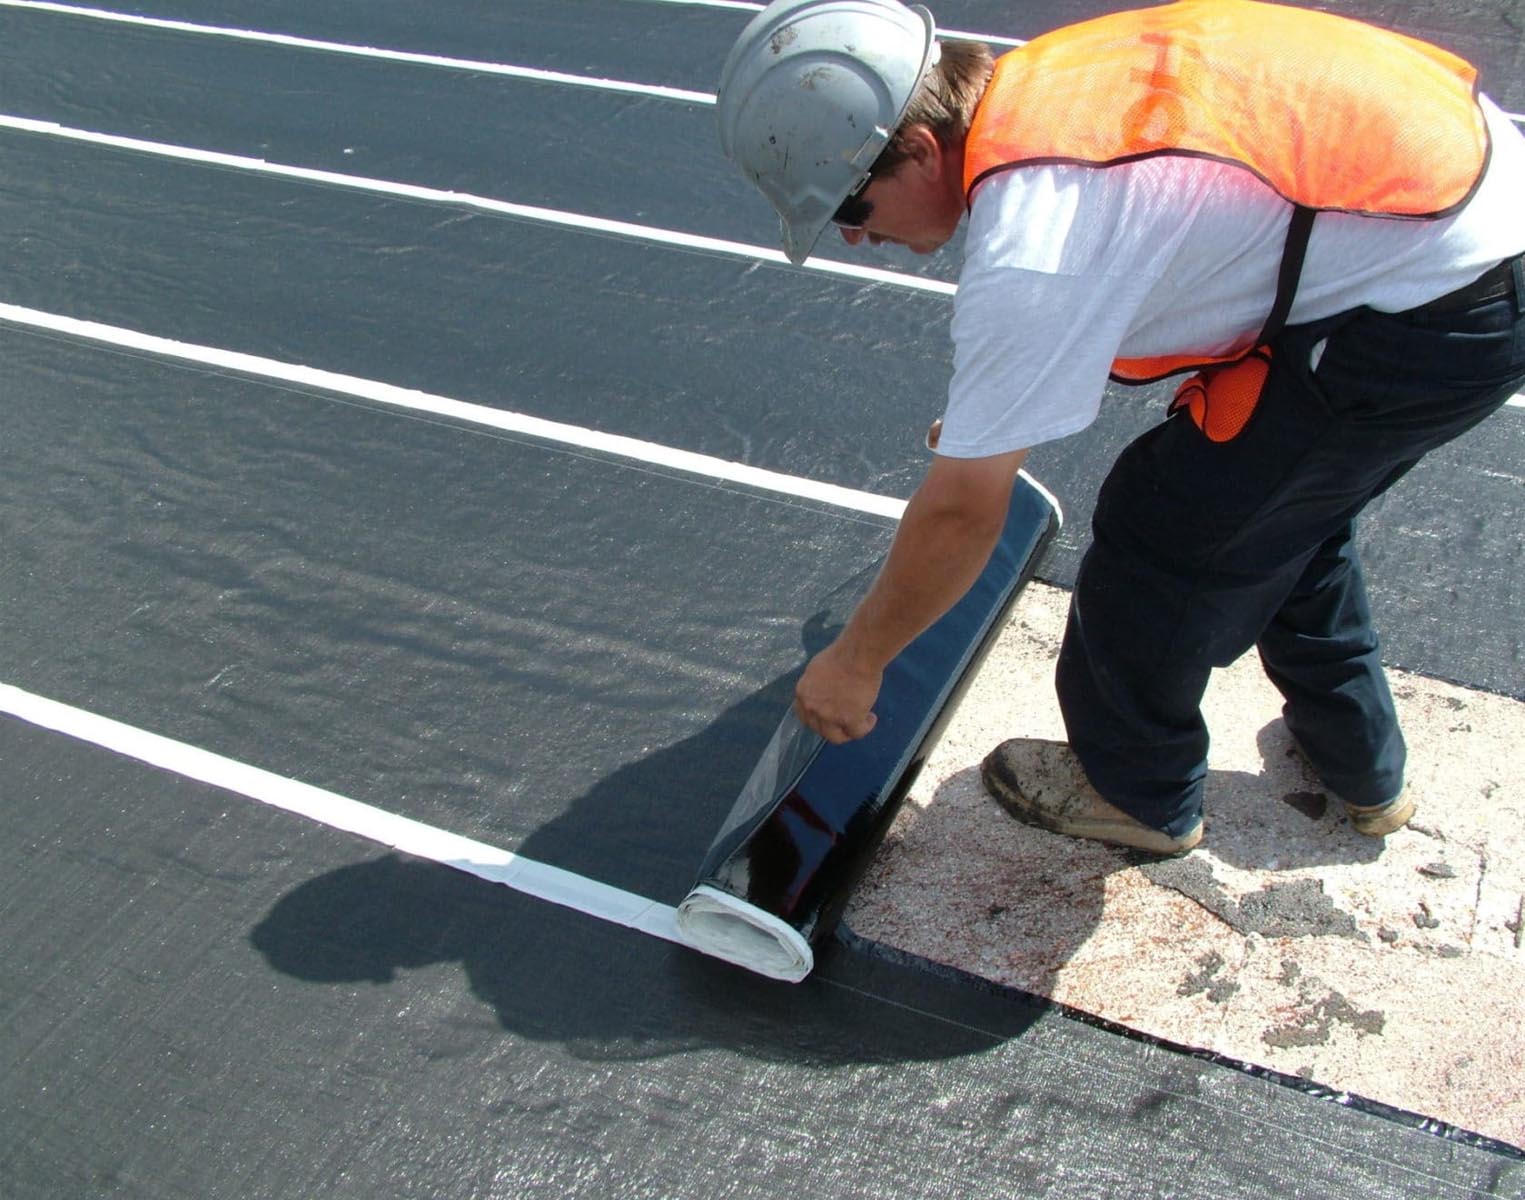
[{"x": 1331, "y": 113}]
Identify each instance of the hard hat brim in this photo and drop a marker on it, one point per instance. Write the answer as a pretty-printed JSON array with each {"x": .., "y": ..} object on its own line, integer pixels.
[
  {"x": 799, "y": 237},
  {"x": 767, "y": 126}
]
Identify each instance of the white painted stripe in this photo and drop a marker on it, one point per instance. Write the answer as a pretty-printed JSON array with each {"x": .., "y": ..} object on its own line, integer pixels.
[
  {"x": 704, "y": 465},
  {"x": 400, "y": 56},
  {"x": 750, "y": 6},
  {"x": 740, "y": 5},
  {"x": 525, "y": 212},
  {"x": 551, "y": 884},
  {"x": 467, "y": 64},
  {"x": 434, "y": 60},
  {"x": 992, "y": 39}
]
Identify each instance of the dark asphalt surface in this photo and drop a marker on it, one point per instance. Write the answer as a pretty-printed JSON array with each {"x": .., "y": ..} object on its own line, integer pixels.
[{"x": 555, "y": 652}]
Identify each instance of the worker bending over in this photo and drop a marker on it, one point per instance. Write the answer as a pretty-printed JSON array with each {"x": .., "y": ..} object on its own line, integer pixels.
[{"x": 1317, "y": 222}]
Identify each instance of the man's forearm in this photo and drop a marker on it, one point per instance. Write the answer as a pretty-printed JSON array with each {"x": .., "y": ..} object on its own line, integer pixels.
[
  {"x": 944, "y": 541},
  {"x": 939, "y": 551}
]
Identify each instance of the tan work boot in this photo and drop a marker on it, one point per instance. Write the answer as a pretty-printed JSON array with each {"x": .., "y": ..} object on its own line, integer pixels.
[
  {"x": 1374, "y": 820},
  {"x": 1042, "y": 783},
  {"x": 1379, "y": 820}
]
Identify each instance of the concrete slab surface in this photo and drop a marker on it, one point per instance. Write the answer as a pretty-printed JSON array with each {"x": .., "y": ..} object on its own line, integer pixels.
[{"x": 1392, "y": 969}]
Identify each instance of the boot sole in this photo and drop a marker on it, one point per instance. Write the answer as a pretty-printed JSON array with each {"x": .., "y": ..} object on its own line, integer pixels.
[
  {"x": 1373, "y": 822},
  {"x": 1379, "y": 822},
  {"x": 1005, "y": 791}
]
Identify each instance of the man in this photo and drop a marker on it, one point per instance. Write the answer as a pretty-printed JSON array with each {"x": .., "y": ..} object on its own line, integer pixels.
[{"x": 1322, "y": 219}]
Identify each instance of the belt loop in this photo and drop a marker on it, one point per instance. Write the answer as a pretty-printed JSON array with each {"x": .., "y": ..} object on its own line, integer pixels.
[{"x": 1518, "y": 270}]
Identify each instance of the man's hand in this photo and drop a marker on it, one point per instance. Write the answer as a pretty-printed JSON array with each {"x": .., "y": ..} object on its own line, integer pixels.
[
  {"x": 944, "y": 540},
  {"x": 835, "y": 697}
]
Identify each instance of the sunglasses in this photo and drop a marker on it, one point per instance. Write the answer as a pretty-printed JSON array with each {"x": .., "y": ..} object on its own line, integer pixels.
[{"x": 853, "y": 212}]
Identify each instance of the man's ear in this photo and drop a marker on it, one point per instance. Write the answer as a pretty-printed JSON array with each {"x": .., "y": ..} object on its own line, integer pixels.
[{"x": 923, "y": 149}]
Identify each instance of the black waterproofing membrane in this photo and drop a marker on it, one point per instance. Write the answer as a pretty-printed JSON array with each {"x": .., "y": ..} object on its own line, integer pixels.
[{"x": 783, "y": 865}]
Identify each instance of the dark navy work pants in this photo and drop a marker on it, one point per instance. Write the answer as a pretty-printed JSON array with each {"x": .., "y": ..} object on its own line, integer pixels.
[{"x": 1204, "y": 549}]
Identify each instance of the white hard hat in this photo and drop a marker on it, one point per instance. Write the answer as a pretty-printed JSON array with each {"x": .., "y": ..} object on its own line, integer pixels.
[{"x": 810, "y": 95}]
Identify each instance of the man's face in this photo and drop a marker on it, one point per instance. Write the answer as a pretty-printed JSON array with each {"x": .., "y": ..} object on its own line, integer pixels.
[{"x": 918, "y": 206}]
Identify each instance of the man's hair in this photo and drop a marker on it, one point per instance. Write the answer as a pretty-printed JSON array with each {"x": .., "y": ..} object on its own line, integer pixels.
[{"x": 944, "y": 102}]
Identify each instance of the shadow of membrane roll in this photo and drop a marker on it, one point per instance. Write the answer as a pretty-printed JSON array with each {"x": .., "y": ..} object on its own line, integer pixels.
[{"x": 807, "y": 823}]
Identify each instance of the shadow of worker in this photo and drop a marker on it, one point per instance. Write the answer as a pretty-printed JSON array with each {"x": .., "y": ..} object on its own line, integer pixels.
[
  {"x": 1281, "y": 817},
  {"x": 550, "y": 974},
  {"x": 553, "y": 974}
]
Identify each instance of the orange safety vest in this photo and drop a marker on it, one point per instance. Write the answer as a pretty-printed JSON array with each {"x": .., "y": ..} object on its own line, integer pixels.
[{"x": 1331, "y": 113}]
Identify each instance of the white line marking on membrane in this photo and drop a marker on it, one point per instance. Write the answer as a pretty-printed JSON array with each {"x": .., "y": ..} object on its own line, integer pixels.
[
  {"x": 704, "y": 465},
  {"x": 749, "y": 6},
  {"x": 551, "y": 216},
  {"x": 430, "y": 60},
  {"x": 465, "y": 64},
  {"x": 540, "y": 880},
  {"x": 402, "y": 56},
  {"x": 526, "y": 212}
]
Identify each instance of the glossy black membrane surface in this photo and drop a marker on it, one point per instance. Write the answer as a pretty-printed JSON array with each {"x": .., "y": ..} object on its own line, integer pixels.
[{"x": 798, "y": 856}]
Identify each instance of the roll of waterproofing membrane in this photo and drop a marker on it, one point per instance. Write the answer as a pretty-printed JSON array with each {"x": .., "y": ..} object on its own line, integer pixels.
[{"x": 784, "y": 863}]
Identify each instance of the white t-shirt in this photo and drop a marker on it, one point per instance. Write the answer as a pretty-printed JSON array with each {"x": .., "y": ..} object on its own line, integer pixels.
[{"x": 1067, "y": 268}]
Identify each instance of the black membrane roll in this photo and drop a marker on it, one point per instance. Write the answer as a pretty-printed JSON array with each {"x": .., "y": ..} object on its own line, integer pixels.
[{"x": 807, "y": 823}]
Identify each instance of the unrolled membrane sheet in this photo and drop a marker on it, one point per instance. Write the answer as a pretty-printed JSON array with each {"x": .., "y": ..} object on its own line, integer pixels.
[{"x": 811, "y": 815}]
